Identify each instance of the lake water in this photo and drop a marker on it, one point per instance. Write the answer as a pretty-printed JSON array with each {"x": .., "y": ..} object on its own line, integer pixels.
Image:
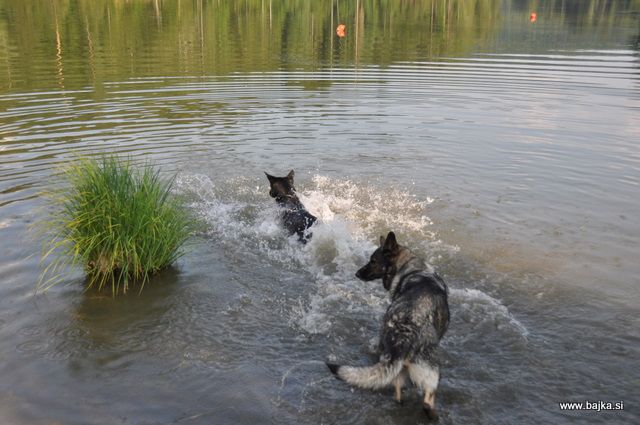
[{"x": 505, "y": 151}]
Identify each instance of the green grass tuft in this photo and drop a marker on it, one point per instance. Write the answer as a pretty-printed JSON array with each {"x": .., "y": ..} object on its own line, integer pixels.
[{"x": 121, "y": 224}]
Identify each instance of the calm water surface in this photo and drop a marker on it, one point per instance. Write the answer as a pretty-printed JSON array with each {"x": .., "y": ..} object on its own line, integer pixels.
[{"x": 505, "y": 151}]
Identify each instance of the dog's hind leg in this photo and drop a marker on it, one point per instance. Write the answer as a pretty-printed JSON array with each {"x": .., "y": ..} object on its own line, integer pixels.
[
  {"x": 398, "y": 383},
  {"x": 426, "y": 377}
]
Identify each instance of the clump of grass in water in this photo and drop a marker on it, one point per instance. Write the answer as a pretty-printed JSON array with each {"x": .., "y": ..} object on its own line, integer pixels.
[{"x": 121, "y": 224}]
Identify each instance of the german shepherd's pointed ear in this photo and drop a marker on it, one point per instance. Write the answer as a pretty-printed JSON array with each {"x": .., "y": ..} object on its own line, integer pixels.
[
  {"x": 390, "y": 244},
  {"x": 290, "y": 176},
  {"x": 270, "y": 177},
  {"x": 381, "y": 241}
]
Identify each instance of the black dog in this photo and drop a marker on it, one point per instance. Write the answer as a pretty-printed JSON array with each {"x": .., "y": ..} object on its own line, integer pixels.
[{"x": 295, "y": 218}]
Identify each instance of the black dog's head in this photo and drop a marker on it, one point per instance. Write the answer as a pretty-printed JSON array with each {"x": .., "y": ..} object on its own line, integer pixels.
[
  {"x": 282, "y": 187},
  {"x": 382, "y": 263}
]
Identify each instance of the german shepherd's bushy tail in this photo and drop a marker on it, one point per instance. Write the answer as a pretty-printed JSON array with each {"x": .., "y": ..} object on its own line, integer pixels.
[{"x": 373, "y": 377}]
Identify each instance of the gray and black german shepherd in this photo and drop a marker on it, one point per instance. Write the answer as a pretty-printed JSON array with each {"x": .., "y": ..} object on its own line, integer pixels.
[
  {"x": 413, "y": 325},
  {"x": 295, "y": 217}
]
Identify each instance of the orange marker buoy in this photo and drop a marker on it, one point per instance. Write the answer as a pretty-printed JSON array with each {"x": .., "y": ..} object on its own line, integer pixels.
[
  {"x": 341, "y": 30},
  {"x": 533, "y": 17}
]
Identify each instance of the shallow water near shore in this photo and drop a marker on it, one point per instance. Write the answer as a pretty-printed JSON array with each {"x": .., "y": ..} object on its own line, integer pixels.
[{"x": 503, "y": 151}]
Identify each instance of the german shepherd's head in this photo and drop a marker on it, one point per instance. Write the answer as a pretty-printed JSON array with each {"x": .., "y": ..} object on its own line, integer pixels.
[
  {"x": 282, "y": 188},
  {"x": 383, "y": 262}
]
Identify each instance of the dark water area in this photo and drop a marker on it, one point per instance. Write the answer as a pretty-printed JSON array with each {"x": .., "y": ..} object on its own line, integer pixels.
[{"x": 503, "y": 150}]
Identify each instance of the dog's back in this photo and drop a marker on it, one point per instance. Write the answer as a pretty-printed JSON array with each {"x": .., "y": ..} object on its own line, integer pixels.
[
  {"x": 417, "y": 317},
  {"x": 295, "y": 217}
]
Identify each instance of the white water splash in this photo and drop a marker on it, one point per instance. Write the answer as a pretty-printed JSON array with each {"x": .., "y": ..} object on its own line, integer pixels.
[
  {"x": 351, "y": 217},
  {"x": 484, "y": 308}
]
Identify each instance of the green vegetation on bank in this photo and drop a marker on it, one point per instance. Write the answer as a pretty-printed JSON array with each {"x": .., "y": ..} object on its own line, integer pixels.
[
  {"x": 93, "y": 42},
  {"x": 122, "y": 224}
]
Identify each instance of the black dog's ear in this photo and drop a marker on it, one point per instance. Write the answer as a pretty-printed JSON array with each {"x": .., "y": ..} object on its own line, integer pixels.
[
  {"x": 390, "y": 243},
  {"x": 270, "y": 177},
  {"x": 290, "y": 176},
  {"x": 381, "y": 241}
]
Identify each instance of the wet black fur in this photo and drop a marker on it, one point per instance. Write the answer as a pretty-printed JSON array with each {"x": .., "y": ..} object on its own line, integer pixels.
[
  {"x": 418, "y": 315},
  {"x": 295, "y": 217},
  {"x": 333, "y": 368}
]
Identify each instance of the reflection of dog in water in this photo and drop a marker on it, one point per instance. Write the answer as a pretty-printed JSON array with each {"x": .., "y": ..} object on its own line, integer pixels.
[
  {"x": 295, "y": 218},
  {"x": 412, "y": 327}
]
